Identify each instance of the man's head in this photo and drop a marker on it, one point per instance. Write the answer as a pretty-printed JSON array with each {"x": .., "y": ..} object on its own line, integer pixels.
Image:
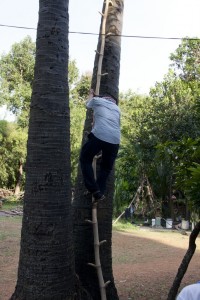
[{"x": 109, "y": 95}]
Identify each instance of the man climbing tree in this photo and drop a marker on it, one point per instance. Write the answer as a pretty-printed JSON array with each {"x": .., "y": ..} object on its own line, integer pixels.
[
  {"x": 81, "y": 205},
  {"x": 104, "y": 137},
  {"x": 46, "y": 264}
]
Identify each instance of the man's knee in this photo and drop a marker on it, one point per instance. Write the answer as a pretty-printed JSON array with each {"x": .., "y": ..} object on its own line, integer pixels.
[
  {"x": 85, "y": 159},
  {"x": 107, "y": 164}
]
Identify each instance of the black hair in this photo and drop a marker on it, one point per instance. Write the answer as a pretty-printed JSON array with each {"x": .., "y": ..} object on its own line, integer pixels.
[{"x": 106, "y": 95}]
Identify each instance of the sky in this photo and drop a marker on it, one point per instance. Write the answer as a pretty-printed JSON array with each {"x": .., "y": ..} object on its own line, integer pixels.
[{"x": 143, "y": 61}]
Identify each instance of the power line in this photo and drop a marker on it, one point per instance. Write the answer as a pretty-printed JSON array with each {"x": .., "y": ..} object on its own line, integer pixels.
[
  {"x": 18, "y": 27},
  {"x": 138, "y": 36},
  {"x": 122, "y": 35}
]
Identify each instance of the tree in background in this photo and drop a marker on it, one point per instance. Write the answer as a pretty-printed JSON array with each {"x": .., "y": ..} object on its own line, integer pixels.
[
  {"x": 184, "y": 150},
  {"x": 16, "y": 73},
  {"x": 129, "y": 164},
  {"x": 78, "y": 97},
  {"x": 186, "y": 59},
  {"x": 12, "y": 154},
  {"x": 185, "y": 157},
  {"x": 170, "y": 114},
  {"x": 46, "y": 264}
]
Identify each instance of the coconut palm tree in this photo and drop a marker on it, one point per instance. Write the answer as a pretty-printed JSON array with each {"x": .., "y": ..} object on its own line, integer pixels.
[
  {"x": 83, "y": 236},
  {"x": 46, "y": 263}
]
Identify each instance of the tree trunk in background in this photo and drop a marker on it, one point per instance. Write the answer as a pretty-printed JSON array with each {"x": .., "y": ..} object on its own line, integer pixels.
[
  {"x": 19, "y": 179},
  {"x": 46, "y": 264},
  {"x": 82, "y": 208},
  {"x": 185, "y": 263},
  {"x": 171, "y": 201}
]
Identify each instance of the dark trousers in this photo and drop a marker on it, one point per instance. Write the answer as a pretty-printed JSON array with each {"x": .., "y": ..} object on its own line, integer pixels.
[{"x": 109, "y": 153}]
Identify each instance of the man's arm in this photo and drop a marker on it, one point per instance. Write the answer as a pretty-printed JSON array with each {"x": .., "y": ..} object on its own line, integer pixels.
[{"x": 90, "y": 96}]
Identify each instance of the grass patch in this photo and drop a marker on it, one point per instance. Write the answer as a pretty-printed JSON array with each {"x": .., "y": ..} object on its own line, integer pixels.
[
  {"x": 12, "y": 202},
  {"x": 123, "y": 225},
  {"x": 11, "y": 220},
  {"x": 10, "y": 229},
  {"x": 8, "y": 205},
  {"x": 3, "y": 236}
]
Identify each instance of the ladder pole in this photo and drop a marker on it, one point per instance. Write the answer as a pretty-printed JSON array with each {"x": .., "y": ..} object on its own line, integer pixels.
[
  {"x": 101, "y": 52},
  {"x": 102, "y": 284}
]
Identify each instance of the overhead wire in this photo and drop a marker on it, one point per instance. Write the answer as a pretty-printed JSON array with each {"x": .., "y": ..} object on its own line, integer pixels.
[{"x": 120, "y": 35}]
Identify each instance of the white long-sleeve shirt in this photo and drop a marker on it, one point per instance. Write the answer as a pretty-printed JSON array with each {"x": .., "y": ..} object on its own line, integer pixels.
[
  {"x": 106, "y": 119},
  {"x": 190, "y": 292}
]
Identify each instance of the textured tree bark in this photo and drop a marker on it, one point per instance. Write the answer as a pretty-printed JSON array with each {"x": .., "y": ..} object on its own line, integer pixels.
[
  {"x": 46, "y": 263},
  {"x": 185, "y": 262},
  {"x": 82, "y": 207}
]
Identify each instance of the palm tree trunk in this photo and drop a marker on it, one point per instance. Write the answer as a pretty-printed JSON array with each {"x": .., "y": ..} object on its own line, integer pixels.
[
  {"x": 82, "y": 208},
  {"x": 46, "y": 264}
]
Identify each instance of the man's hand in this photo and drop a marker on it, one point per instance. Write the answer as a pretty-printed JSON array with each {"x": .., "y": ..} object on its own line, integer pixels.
[{"x": 91, "y": 94}]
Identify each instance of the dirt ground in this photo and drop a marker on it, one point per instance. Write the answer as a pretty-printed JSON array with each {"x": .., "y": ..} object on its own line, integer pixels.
[{"x": 145, "y": 261}]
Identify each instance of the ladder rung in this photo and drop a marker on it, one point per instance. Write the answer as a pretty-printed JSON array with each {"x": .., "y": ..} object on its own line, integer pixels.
[
  {"x": 94, "y": 266},
  {"x": 102, "y": 242},
  {"x": 89, "y": 221},
  {"x": 107, "y": 283}
]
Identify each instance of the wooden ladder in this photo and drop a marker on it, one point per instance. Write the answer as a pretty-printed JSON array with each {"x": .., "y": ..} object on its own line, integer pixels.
[{"x": 94, "y": 222}]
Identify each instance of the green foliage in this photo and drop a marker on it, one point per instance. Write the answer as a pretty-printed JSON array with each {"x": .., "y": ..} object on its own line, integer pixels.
[
  {"x": 192, "y": 187},
  {"x": 123, "y": 225},
  {"x": 16, "y": 73},
  {"x": 78, "y": 96},
  {"x": 168, "y": 115},
  {"x": 186, "y": 64},
  {"x": 73, "y": 74},
  {"x": 82, "y": 87},
  {"x": 159, "y": 132},
  {"x": 129, "y": 162},
  {"x": 12, "y": 203},
  {"x": 173, "y": 115},
  {"x": 186, "y": 60},
  {"x": 185, "y": 158},
  {"x": 150, "y": 125},
  {"x": 16, "y": 80},
  {"x": 12, "y": 152},
  {"x": 77, "y": 111}
]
